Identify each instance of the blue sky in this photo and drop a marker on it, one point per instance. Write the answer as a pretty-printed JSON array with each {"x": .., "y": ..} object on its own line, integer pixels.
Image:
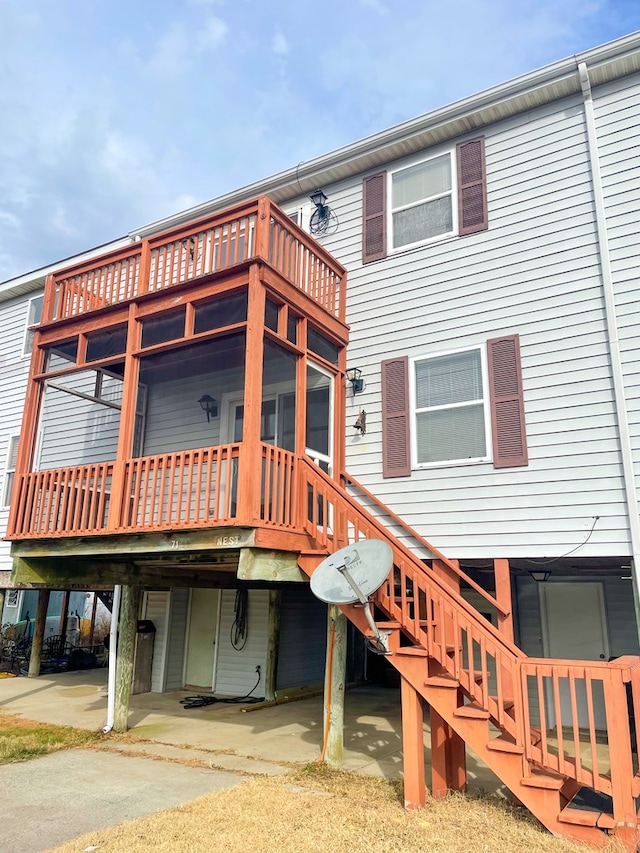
[{"x": 114, "y": 114}]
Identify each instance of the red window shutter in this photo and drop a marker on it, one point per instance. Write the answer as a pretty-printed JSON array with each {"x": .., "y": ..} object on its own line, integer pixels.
[
  {"x": 472, "y": 187},
  {"x": 374, "y": 226},
  {"x": 396, "y": 456},
  {"x": 507, "y": 402}
]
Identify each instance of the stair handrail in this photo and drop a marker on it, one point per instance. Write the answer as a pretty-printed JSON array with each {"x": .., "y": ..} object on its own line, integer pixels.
[
  {"x": 451, "y": 564},
  {"x": 448, "y": 592}
]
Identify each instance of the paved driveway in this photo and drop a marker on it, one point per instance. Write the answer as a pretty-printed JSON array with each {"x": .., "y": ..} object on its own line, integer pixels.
[{"x": 52, "y": 799}]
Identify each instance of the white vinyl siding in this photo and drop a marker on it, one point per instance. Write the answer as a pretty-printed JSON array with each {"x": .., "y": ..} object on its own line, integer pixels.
[
  {"x": 236, "y": 668},
  {"x": 536, "y": 273},
  {"x": 422, "y": 202},
  {"x": 449, "y": 421},
  {"x": 157, "y": 610},
  {"x": 176, "y": 642}
]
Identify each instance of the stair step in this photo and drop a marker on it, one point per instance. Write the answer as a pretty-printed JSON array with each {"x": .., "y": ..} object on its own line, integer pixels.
[
  {"x": 546, "y": 779},
  {"x": 389, "y": 626},
  {"x": 415, "y": 651},
  {"x": 442, "y": 681},
  {"x": 505, "y": 743},
  {"x": 584, "y": 817},
  {"x": 471, "y": 711}
]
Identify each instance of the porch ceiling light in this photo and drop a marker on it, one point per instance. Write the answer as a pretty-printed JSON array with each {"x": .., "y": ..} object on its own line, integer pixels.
[
  {"x": 540, "y": 576},
  {"x": 354, "y": 376},
  {"x": 209, "y": 406}
]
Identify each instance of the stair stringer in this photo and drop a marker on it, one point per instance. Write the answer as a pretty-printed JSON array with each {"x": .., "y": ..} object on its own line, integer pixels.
[
  {"x": 444, "y": 628},
  {"x": 544, "y": 803}
]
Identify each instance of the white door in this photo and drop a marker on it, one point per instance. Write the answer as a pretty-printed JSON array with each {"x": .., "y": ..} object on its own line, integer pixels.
[
  {"x": 574, "y": 628},
  {"x": 201, "y": 638}
]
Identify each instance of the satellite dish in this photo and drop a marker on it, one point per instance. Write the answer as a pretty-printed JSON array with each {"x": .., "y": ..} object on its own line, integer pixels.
[{"x": 353, "y": 574}]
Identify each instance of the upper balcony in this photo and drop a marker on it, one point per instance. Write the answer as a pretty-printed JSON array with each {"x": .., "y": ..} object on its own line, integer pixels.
[
  {"x": 257, "y": 230},
  {"x": 243, "y": 310}
]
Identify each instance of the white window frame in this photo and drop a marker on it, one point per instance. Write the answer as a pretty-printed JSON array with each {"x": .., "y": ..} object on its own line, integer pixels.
[
  {"x": 453, "y": 192},
  {"x": 414, "y": 411},
  {"x": 18, "y": 599},
  {"x": 9, "y": 472},
  {"x": 302, "y": 212},
  {"x": 31, "y": 323}
]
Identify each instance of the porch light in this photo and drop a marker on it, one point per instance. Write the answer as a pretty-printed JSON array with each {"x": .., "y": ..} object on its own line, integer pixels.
[
  {"x": 540, "y": 576},
  {"x": 320, "y": 200},
  {"x": 209, "y": 406},
  {"x": 354, "y": 376}
]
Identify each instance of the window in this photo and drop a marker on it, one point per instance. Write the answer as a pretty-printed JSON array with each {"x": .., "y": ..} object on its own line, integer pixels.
[
  {"x": 437, "y": 410},
  {"x": 422, "y": 202},
  {"x": 300, "y": 215},
  {"x": 10, "y": 470},
  {"x": 425, "y": 200},
  {"x": 449, "y": 408},
  {"x": 12, "y": 598},
  {"x": 34, "y": 315}
]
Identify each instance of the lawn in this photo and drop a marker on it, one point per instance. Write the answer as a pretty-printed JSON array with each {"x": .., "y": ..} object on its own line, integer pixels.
[{"x": 23, "y": 739}]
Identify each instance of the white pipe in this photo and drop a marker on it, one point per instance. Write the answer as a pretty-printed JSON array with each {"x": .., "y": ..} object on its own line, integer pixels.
[
  {"x": 113, "y": 644},
  {"x": 628, "y": 473}
]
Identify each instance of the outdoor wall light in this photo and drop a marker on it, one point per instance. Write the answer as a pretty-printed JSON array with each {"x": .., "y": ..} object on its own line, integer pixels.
[
  {"x": 320, "y": 200},
  {"x": 354, "y": 376},
  {"x": 209, "y": 406},
  {"x": 540, "y": 576},
  {"x": 361, "y": 422}
]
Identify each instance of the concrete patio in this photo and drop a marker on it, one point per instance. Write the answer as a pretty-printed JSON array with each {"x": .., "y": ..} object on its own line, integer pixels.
[{"x": 235, "y": 737}]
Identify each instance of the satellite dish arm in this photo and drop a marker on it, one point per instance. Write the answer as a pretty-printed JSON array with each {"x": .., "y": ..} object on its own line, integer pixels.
[{"x": 380, "y": 642}]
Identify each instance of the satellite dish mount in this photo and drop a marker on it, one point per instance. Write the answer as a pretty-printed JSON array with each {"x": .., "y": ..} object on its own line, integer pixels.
[{"x": 352, "y": 575}]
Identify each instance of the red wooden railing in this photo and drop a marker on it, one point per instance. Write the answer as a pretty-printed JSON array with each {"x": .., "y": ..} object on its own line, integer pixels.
[
  {"x": 256, "y": 230},
  {"x": 192, "y": 488},
  {"x": 535, "y": 702},
  {"x": 278, "y": 487},
  {"x": 48, "y": 503}
]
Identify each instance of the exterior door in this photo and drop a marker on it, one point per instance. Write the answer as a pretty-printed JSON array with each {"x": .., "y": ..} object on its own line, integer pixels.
[
  {"x": 574, "y": 628},
  {"x": 201, "y": 638}
]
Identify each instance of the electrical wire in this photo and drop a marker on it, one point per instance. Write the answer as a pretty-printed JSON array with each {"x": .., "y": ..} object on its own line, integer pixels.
[
  {"x": 596, "y": 518},
  {"x": 240, "y": 628}
]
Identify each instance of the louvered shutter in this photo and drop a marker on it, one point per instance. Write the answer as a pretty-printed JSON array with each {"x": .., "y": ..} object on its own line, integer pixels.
[
  {"x": 374, "y": 231},
  {"x": 472, "y": 187},
  {"x": 396, "y": 456},
  {"x": 507, "y": 403}
]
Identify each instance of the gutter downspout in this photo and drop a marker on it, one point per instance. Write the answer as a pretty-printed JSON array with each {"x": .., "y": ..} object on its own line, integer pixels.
[
  {"x": 113, "y": 643},
  {"x": 620, "y": 402}
]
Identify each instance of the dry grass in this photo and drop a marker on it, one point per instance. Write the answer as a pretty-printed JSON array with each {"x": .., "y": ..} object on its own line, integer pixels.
[
  {"x": 23, "y": 739},
  {"x": 319, "y": 810}
]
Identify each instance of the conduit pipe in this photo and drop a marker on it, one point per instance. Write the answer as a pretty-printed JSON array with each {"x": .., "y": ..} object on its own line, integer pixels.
[
  {"x": 619, "y": 396},
  {"x": 113, "y": 644}
]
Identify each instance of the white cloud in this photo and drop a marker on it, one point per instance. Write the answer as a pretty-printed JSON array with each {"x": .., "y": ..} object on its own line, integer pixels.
[
  {"x": 376, "y": 6},
  {"x": 279, "y": 45},
  {"x": 179, "y": 47}
]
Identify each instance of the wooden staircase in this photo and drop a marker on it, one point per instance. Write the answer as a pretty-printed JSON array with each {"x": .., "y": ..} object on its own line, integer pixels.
[{"x": 556, "y": 732}]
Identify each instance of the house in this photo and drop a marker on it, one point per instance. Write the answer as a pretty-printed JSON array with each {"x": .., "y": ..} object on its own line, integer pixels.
[{"x": 440, "y": 351}]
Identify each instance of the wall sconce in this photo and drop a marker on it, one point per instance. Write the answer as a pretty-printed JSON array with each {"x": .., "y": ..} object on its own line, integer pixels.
[
  {"x": 540, "y": 576},
  {"x": 209, "y": 406},
  {"x": 354, "y": 376},
  {"x": 361, "y": 422},
  {"x": 319, "y": 199}
]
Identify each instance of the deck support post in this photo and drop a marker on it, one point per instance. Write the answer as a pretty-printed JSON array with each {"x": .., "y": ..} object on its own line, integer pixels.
[
  {"x": 334, "y": 686},
  {"x": 38, "y": 632},
  {"x": 273, "y": 642},
  {"x": 129, "y": 613},
  {"x": 448, "y": 758},
  {"x": 412, "y": 746}
]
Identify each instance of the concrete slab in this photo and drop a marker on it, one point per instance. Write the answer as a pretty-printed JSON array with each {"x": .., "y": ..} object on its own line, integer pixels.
[{"x": 60, "y": 796}]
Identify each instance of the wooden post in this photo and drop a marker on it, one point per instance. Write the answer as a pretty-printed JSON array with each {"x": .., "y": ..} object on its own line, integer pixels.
[
  {"x": 129, "y": 612},
  {"x": 502, "y": 576},
  {"x": 448, "y": 749},
  {"x": 273, "y": 643},
  {"x": 2, "y": 592},
  {"x": 412, "y": 746},
  {"x": 334, "y": 687},
  {"x": 38, "y": 632}
]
